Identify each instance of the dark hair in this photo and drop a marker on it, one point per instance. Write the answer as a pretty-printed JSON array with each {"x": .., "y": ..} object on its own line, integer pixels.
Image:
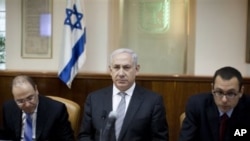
[{"x": 227, "y": 73}]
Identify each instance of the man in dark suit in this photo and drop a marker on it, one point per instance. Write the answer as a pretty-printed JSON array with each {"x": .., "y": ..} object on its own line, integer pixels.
[
  {"x": 49, "y": 118},
  {"x": 144, "y": 118},
  {"x": 220, "y": 115}
]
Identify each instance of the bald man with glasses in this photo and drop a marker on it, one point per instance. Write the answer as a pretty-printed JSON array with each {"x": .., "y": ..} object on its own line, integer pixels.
[
  {"x": 219, "y": 115},
  {"x": 33, "y": 117}
]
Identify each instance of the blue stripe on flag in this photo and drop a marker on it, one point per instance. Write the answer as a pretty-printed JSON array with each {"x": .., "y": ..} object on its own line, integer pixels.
[{"x": 77, "y": 50}]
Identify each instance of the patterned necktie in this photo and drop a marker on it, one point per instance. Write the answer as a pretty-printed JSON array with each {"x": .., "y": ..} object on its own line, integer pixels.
[
  {"x": 120, "y": 114},
  {"x": 28, "y": 128},
  {"x": 223, "y": 120}
]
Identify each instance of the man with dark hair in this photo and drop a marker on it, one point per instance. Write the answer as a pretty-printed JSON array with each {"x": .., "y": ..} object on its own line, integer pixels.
[
  {"x": 220, "y": 115},
  {"x": 30, "y": 116}
]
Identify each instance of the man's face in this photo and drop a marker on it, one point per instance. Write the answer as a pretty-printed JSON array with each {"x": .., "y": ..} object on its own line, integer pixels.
[
  {"x": 226, "y": 93},
  {"x": 123, "y": 71},
  {"x": 26, "y": 97}
]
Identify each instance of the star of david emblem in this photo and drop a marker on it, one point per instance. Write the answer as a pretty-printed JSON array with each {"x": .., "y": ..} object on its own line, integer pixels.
[{"x": 73, "y": 18}]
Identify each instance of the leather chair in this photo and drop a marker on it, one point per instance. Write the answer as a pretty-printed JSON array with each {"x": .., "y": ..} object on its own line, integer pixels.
[
  {"x": 73, "y": 110},
  {"x": 182, "y": 116}
]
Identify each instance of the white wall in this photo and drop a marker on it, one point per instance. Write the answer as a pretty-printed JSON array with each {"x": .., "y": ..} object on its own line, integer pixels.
[
  {"x": 220, "y": 36},
  {"x": 97, "y": 26}
]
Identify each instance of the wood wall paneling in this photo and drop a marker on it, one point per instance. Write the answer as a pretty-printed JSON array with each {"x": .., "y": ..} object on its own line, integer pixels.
[{"x": 175, "y": 90}]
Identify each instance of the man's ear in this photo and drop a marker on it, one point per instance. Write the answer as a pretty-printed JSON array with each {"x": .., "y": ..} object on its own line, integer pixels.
[
  {"x": 212, "y": 86},
  {"x": 242, "y": 91},
  {"x": 110, "y": 70},
  {"x": 137, "y": 67}
]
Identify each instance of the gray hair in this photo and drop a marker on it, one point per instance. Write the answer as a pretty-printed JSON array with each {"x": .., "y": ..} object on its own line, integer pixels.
[{"x": 124, "y": 50}]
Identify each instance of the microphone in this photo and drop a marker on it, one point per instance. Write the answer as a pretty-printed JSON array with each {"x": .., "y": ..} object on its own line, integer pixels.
[{"x": 107, "y": 131}]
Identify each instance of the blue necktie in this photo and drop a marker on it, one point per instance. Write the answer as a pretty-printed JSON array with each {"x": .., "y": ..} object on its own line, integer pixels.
[
  {"x": 120, "y": 114},
  {"x": 28, "y": 128}
]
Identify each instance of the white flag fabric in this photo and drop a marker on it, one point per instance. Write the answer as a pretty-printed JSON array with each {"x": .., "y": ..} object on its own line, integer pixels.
[{"x": 73, "y": 49}]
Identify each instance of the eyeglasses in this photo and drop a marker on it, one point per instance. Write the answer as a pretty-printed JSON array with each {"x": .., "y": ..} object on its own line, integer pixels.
[
  {"x": 229, "y": 95},
  {"x": 27, "y": 99}
]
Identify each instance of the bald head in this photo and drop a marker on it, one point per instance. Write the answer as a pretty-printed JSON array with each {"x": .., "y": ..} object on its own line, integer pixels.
[
  {"x": 25, "y": 93},
  {"x": 22, "y": 81}
]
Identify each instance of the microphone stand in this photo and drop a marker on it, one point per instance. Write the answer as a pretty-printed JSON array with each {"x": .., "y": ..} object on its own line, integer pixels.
[{"x": 105, "y": 134}]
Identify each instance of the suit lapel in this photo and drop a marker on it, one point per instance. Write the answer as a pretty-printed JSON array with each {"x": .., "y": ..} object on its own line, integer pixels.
[
  {"x": 238, "y": 119},
  {"x": 106, "y": 103},
  {"x": 18, "y": 123},
  {"x": 133, "y": 107},
  {"x": 213, "y": 120},
  {"x": 107, "y": 100},
  {"x": 41, "y": 117}
]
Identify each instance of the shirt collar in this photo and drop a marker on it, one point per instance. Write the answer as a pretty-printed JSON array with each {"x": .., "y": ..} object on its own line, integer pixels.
[
  {"x": 229, "y": 113},
  {"x": 129, "y": 91},
  {"x": 35, "y": 111}
]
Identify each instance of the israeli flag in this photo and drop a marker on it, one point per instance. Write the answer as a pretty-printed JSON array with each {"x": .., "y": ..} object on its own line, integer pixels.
[{"x": 73, "y": 49}]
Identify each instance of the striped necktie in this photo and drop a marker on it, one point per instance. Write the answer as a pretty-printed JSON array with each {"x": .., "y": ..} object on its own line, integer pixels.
[
  {"x": 120, "y": 114},
  {"x": 28, "y": 128}
]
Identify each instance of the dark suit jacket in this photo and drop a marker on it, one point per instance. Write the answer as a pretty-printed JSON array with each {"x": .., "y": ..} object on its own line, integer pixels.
[
  {"x": 52, "y": 121},
  {"x": 145, "y": 118},
  {"x": 202, "y": 120}
]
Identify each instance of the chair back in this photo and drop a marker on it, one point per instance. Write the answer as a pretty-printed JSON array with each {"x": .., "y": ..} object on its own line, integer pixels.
[{"x": 73, "y": 110}]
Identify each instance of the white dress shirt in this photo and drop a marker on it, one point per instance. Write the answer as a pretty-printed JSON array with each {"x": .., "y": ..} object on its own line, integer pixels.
[{"x": 117, "y": 98}]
